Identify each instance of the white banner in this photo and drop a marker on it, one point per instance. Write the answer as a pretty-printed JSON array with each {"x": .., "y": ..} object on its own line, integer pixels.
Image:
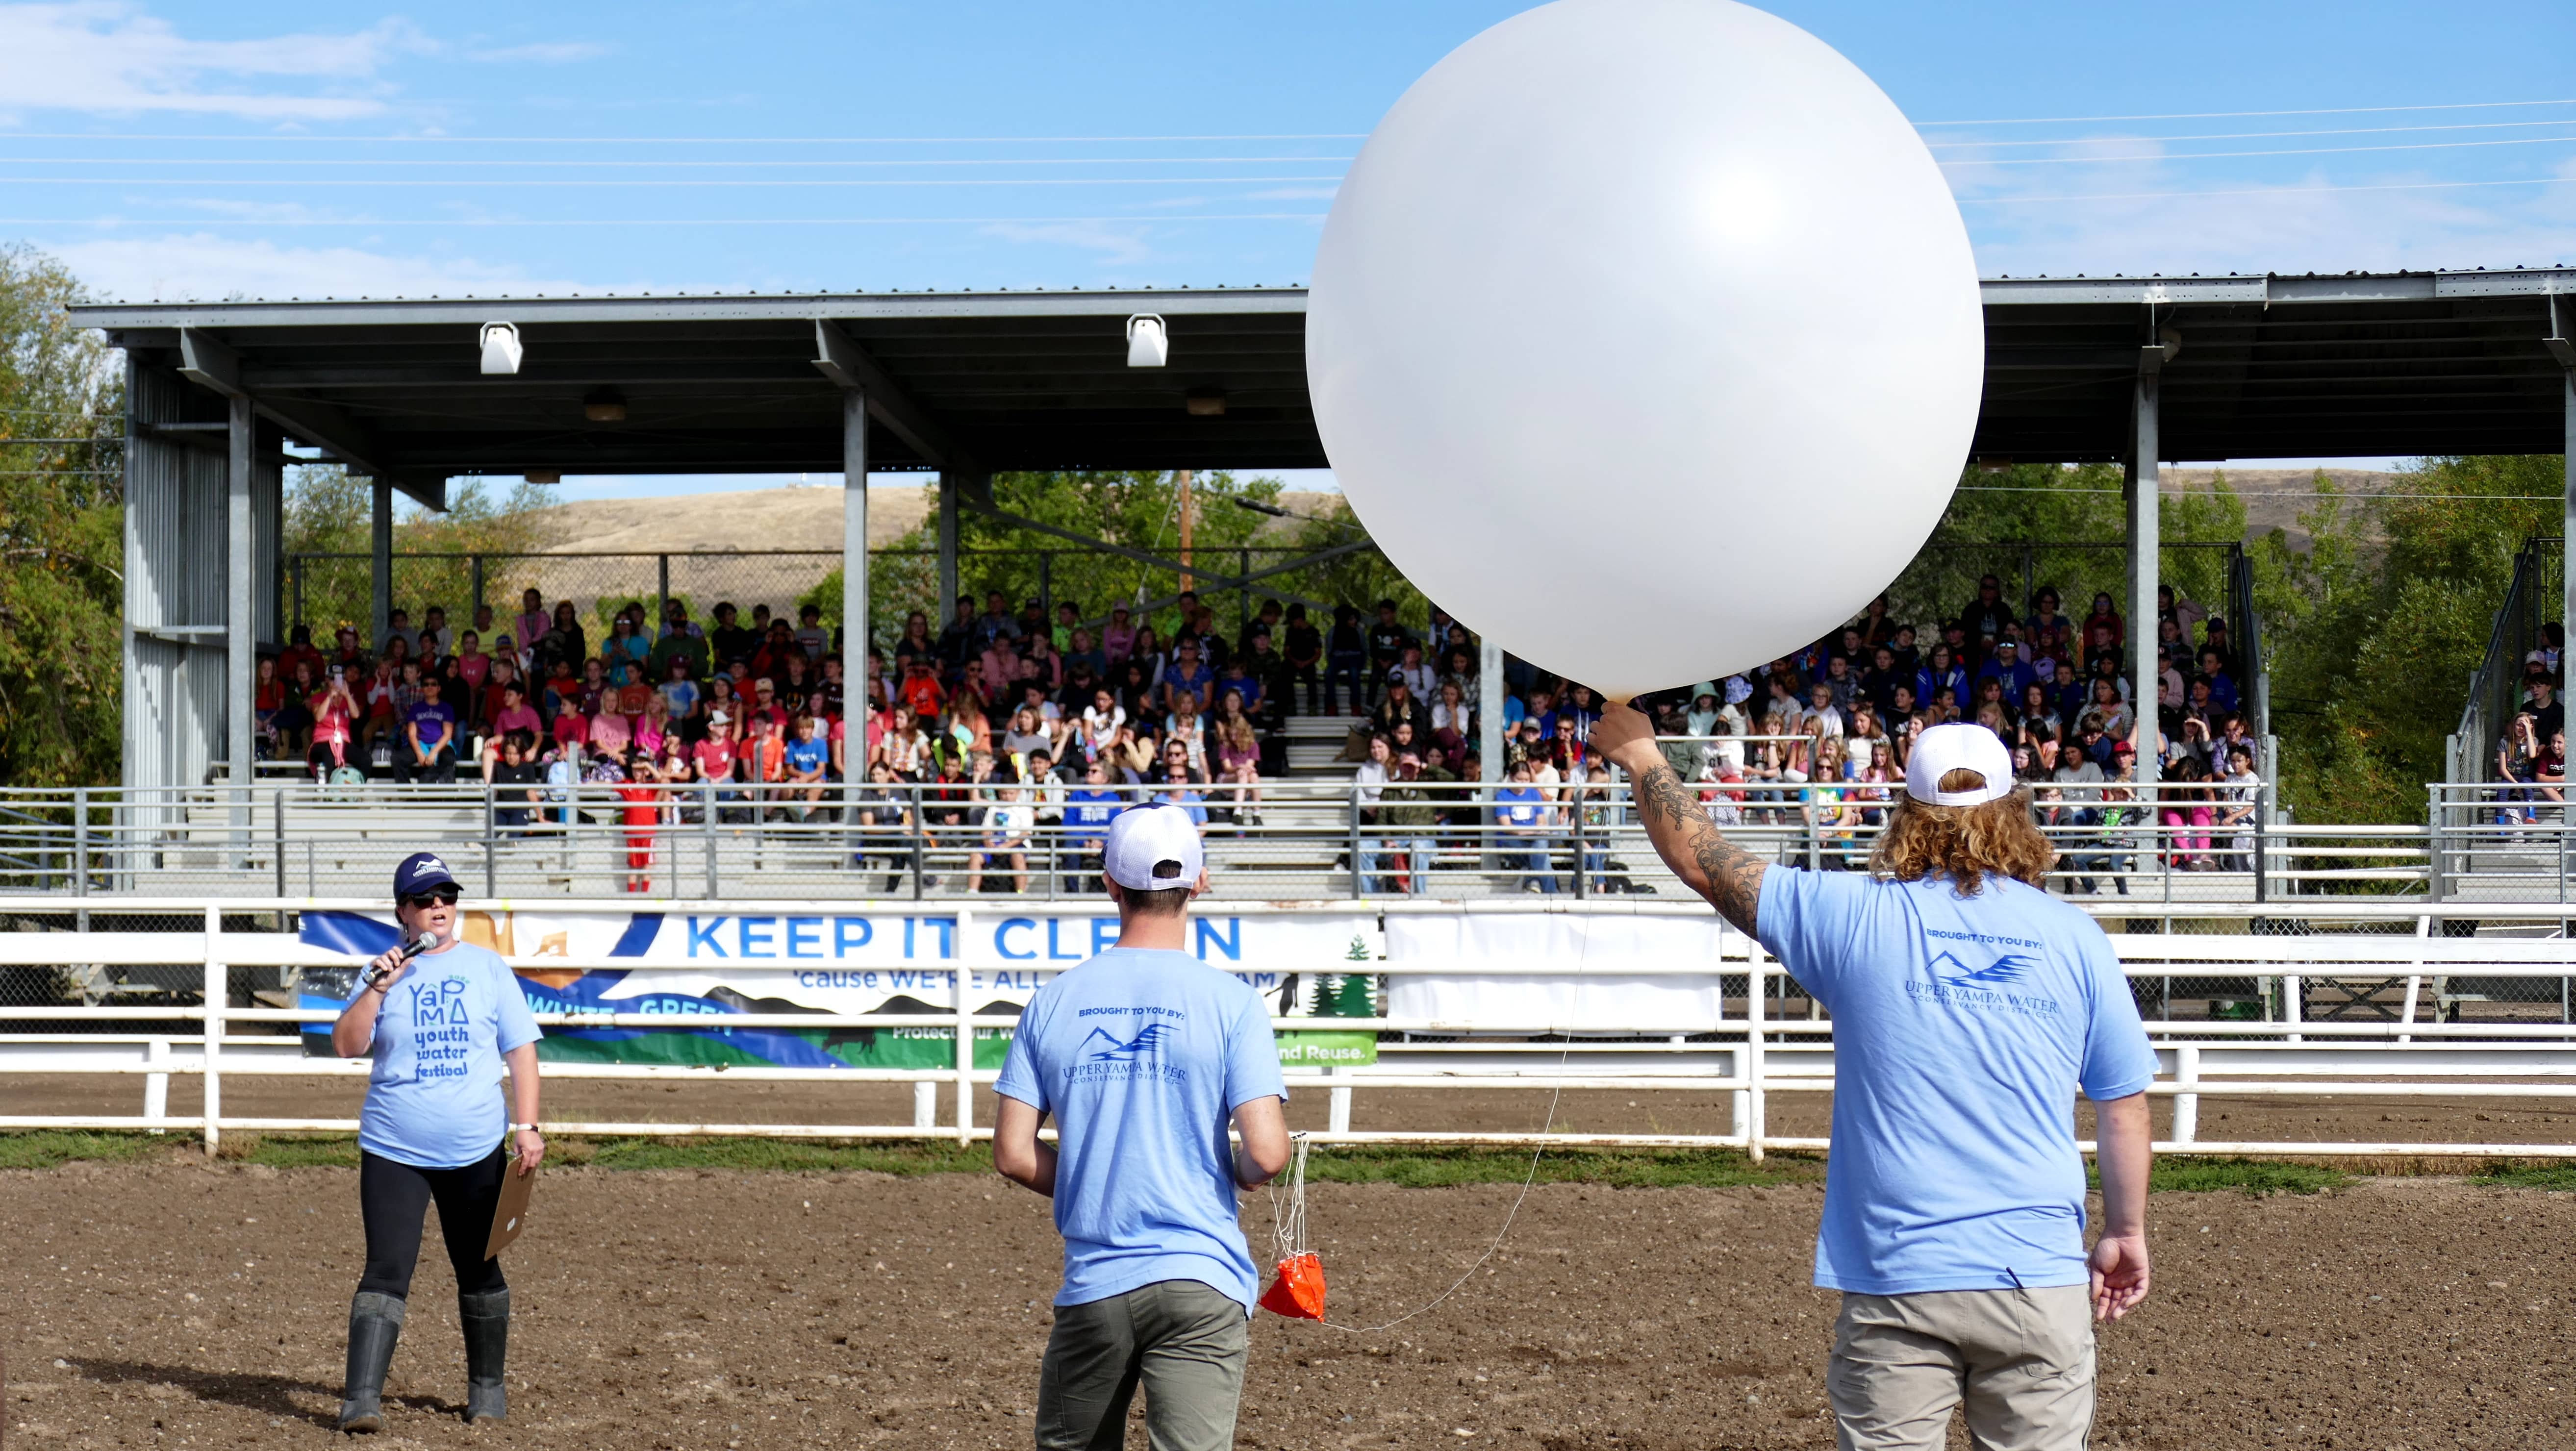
[{"x": 1582, "y": 988}]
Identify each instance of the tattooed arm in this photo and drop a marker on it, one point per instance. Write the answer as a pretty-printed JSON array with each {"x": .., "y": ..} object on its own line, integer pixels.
[{"x": 1726, "y": 874}]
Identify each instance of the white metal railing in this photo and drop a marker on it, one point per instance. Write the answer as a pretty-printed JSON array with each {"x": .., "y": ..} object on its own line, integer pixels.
[
  {"x": 1752, "y": 1046},
  {"x": 1298, "y": 837}
]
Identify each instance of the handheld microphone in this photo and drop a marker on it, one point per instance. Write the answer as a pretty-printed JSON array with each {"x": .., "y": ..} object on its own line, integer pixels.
[{"x": 414, "y": 948}]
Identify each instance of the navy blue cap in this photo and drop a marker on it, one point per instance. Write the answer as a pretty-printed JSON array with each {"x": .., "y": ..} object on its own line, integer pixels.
[{"x": 419, "y": 872}]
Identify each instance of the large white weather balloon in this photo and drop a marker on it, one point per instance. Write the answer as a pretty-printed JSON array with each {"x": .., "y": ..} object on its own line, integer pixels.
[{"x": 1644, "y": 336}]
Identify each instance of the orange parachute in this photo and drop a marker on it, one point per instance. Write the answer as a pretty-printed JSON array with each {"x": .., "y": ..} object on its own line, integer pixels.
[{"x": 1298, "y": 1293}]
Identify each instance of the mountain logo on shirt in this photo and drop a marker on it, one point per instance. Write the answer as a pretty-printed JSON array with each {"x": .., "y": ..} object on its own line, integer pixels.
[
  {"x": 2001, "y": 986},
  {"x": 1143, "y": 1045},
  {"x": 2012, "y": 967}
]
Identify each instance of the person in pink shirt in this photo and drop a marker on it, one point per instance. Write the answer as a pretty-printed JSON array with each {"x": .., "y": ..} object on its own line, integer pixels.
[
  {"x": 1118, "y": 640},
  {"x": 610, "y": 733},
  {"x": 514, "y": 713},
  {"x": 473, "y": 667},
  {"x": 533, "y": 621}
]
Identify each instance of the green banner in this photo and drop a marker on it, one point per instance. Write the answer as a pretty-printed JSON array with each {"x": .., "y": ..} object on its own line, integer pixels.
[{"x": 1345, "y": 1048}]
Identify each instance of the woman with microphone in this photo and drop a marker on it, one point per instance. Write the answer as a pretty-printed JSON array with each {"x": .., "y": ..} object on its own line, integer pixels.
[{"x": 439, "y": 1018}]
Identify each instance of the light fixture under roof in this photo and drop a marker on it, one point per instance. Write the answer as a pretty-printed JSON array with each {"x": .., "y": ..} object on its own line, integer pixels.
[
  {"x": 1149, "y": 345},
  {"x": 501, "y": 350}
]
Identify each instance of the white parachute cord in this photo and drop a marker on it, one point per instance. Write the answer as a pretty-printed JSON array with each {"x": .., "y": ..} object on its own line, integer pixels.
[{"x": 1574, "y": 1014}]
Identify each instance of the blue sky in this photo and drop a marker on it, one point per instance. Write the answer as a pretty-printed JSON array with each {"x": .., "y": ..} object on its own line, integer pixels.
[{"x": 276, "y": 149}]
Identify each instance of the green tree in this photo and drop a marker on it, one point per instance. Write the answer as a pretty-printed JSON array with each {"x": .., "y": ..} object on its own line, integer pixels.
[
  {"x": 330, "y": 518},
  {"x": 61, "y": 534},
  {"x": 1140, "y": 511},
  {"x": 2381, "y": 623}
]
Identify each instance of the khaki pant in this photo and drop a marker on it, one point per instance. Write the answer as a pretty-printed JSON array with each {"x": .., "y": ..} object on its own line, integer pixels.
[
  {"x": 1184, "y": 1341},
  {"x": 2021, "y": 1360}
]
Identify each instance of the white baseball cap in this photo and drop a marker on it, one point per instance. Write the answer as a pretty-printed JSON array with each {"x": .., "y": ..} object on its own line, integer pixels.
[
  {"x": 1153, "y": 847},
  {"x": 1958, "y": 746}
]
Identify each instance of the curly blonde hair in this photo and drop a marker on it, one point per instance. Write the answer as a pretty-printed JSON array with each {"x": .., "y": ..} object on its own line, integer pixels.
[{"x": 1964, "y": 842}]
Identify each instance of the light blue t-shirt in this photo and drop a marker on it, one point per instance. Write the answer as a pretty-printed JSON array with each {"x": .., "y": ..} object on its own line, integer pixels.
[
  {"x": 434, "y": 1094},
  {"x": 1962, "y": 1028},
  {"x": 1142, "y": 1055}
]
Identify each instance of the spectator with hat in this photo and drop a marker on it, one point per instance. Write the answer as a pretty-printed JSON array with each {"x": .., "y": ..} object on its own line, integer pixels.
[{"x": 1141, "y": 1055}]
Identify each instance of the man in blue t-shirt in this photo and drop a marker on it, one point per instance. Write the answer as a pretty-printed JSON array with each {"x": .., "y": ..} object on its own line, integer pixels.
[
  {"x": 1141, "y": 1055},
  {"x": 1969, "y": 1007}
]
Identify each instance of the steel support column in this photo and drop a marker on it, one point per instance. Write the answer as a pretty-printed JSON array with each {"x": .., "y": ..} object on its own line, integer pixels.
[
  {"x": 380, "y": 567},
  {"x": 2562, "y": 346},
  {"x": 854, "y": 568},
  {"x": 1489, "y": 708},
  {"x": 2145, "y": 562},
  {"x": 241, "y": 623},
  {"x": 950, "y": 482}
]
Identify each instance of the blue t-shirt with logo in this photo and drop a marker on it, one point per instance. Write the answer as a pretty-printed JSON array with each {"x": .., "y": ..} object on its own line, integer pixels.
[
  {"x": 1519, "y": 805},
  {"x": 1141, "y": 1055},
  {"x": 434, "y": 1093},
  {"x": 1963, "y": 1027},
  {"x": 804, "y": 755}
]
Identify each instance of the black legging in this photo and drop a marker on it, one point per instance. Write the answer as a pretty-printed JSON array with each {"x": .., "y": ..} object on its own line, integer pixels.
[{"x": 393, "y": 1199}]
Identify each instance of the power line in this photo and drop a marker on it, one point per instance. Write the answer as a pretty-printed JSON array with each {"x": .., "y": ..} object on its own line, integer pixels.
[
  {"x": 2231, "y": 115},
  {"x": 2253, "y": 496},
  {"x": 2237, "y": 135},
  {"x": 2127, "y": 196},
  {"x": 2292, "y": 151},
  {"x": 560, "y": 184},
  {"x": 639, "y": 222},
  {"x": 680, "y": 140},
  {"x": 730, "y": 162}
]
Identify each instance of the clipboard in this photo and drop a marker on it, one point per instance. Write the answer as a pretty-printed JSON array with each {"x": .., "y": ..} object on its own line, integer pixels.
[{"x": 510, "y": 1216}]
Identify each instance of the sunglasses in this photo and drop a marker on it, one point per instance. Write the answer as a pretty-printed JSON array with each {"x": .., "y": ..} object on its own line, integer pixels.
[{"x": 443, "y": 896}]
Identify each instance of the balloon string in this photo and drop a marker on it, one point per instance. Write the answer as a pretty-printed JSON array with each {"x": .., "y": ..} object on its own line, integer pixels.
[{"x": 1546, "y": 1124}]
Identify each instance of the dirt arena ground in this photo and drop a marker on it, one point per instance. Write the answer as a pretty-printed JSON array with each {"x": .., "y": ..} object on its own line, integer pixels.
[{"x": 174, "y": 1305}]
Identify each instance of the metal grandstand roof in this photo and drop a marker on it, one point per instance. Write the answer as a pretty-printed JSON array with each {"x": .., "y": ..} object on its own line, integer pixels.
[{"x": 2265, "y": 367}]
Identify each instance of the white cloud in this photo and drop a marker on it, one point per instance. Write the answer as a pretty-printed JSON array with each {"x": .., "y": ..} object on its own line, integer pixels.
[
  {"x": 201, "y": 266},
  {"x": 2336, "y": 221},
  {"x": 1116, "y": 244},
  {"x": 543, "y": 53},
  {"x": 108, "y": 56}
]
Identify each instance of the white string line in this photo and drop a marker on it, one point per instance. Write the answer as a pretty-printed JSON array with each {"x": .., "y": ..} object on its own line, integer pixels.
[
  {"x": 1574, "y": 1014},
  {"x": 270, "y": 138},
  {"x": 691, "y": 140},
  {"x": 844, "y": 182},
  {"x": 207, "y": 221},
  {"x": 2275, "y": 191},
  {"x": 740, "y": 161},
  {"x": 602, "y": 162},
  {"x": 2250, "y": 496},
  {"x": 2234, "y": 135},
  {"x": 2231, "y": 115},
  {"x": 2285, "y": 151},
  {"x": 559, "y": 184}
]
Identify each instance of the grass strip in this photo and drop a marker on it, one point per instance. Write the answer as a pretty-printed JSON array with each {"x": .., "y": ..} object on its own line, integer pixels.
[
  {"x": 1435, "y": 1167},
  {"x": 50, "y": 1148},
  {"x": 2512, "y": 1174},
  {"x": 2187, "y": 1175}
]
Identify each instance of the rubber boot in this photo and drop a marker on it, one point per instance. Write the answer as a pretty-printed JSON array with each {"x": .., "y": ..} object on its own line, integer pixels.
[
  {"x": 375, "y": 1323},
  {"x": 486, "y": 1318}
]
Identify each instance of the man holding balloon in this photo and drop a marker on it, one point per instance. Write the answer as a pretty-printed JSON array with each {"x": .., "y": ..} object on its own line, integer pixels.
[
  {"x": 1969, "y": 1005},
  {"x": 1678, "y": 257}
]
